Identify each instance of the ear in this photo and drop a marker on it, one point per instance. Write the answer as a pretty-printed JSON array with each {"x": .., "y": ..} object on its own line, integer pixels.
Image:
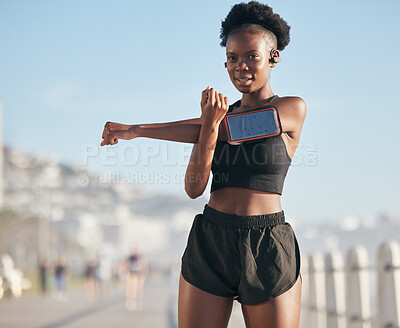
[{"x": 274, "y": 58}]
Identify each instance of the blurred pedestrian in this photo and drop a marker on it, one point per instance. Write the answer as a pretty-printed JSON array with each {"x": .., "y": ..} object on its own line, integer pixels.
[
  {"x": 137, "y": 272},
  {"x": 44, "y": 275},
  {"x": 60, "y": 275},
  {"x": 89, "y": 279},
  {"x": 103, "y": 277}
]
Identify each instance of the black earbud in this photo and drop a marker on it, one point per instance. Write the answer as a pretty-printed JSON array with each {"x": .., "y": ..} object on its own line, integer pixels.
[
  {"x": 226, "y": 64},
  {"x": 274, "y": 59}
]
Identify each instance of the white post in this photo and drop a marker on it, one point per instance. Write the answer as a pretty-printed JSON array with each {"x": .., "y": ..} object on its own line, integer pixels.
[
  {"x": 335, "y": 290},
  {"x": 388, "y": 300},
  {"x": 317, "y": 291},
  {"x": 358, "y": 289},
  {"x": 305, "y": 302}
]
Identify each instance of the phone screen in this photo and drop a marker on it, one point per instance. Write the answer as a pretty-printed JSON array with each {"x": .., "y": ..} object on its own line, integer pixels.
[{"x": 252, "y": 125}]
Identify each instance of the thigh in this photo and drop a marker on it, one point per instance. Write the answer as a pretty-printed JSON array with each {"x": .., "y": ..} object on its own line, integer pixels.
[
  {"x": 131, "y": 284},
  {"x": 199, "y": 309},
  {"x": 282, "y": 311}
]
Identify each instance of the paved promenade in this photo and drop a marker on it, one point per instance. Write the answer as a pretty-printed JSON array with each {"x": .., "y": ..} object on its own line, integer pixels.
[{"x": 158, "y": 311}]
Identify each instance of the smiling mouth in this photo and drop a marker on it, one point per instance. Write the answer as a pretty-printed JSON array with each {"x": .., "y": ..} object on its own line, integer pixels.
[{"x": 244, "y": 80}]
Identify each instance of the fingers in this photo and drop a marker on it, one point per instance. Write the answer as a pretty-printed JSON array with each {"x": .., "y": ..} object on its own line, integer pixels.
[
  {"x": 116, "y": 126},
  {"x": 108, "y": 136},
  {"x": 112, "y": 139},
  {"x": 216, "y": 97},
  {"x": 116, "y": 130},
  {"x": 226, "y": 103},
  {"x": 103, "y": 143},
  {"x": 221, "y": 99},
  {"x": 105, "y": 129},
  {"x": 214, "y": 105},
  {"x": 105, "y": 136},
  {"x": 204, "y": 96},
  {"x": 211, "y": 96},
  {"x": 217, "y": 101}
]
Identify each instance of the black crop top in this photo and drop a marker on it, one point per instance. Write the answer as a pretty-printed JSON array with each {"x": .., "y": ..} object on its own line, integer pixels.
[{"x": 260, "y": 165}]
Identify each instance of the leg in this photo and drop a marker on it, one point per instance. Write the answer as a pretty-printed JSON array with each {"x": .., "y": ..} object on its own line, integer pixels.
[
  {"x": 131, "y": 291},
  {"x": 280, "y": 312},
  {"x": 199, "y": 309},
  {"x": 139, "y": 296}
]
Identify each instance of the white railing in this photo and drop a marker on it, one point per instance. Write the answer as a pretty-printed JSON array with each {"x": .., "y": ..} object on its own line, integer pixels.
[{"x": 340, "y": 293}]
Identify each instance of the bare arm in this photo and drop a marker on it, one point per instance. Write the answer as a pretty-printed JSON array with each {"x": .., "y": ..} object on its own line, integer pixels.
[
  {"x": 180, "y": 131},
  {"x": 174, "y": 123},
  {"x": 183, "y": 131},
  {"x": 214, "y": 107}
]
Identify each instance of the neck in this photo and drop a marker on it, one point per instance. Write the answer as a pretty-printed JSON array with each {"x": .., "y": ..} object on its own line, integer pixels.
[{"x": 257, "y": 98}]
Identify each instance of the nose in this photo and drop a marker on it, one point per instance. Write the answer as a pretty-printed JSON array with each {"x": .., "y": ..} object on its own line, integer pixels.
[{"x": 242, "y": 66}]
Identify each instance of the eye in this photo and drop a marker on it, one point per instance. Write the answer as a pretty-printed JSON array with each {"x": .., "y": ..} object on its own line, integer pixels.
[
  {"x": 254, "y": 56},
  {"x": 230, "y": 58}
]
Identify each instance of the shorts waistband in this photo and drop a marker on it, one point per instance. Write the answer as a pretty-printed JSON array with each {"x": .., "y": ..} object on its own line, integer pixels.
[{"x": 243, "y": 221}]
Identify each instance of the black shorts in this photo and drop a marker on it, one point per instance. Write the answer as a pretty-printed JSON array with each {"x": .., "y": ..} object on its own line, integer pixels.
[{"x": 249, "y": 258}]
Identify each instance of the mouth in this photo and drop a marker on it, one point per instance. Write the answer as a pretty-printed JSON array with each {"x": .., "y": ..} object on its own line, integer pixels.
[{"x": 244, "y": 81}]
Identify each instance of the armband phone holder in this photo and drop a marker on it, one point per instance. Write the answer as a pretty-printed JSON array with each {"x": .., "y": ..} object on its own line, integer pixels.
[{"x": 252, "y": 125}]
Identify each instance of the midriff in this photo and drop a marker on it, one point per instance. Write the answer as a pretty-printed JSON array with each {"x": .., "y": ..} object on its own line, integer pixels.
[{"x": 243, "y": 201}]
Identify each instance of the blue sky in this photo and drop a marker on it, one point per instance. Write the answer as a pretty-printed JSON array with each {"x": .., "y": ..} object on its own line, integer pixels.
[{"x": 67, "y": 67}]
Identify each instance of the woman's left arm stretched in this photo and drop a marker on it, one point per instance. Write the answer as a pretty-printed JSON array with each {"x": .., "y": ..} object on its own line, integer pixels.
[{"x": 214, "y": 106}]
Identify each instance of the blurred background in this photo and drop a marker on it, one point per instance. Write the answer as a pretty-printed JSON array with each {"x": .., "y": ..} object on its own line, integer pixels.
[{"x": 74, "y": 213}]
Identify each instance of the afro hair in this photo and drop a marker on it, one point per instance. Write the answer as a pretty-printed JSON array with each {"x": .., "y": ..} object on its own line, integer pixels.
[{"x": 255, "y": 13}]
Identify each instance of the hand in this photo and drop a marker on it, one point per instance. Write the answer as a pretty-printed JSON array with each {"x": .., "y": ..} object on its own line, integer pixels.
[
  {"x": 114, "y": 131},
  {"x": 214, "y": 106}
]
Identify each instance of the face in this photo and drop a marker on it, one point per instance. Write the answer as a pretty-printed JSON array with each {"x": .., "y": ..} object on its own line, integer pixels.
[{"x": 248, "y": 64}]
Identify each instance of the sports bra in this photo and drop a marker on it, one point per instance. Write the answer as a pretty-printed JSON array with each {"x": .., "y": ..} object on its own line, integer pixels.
[{"x": 259, "y": 165}]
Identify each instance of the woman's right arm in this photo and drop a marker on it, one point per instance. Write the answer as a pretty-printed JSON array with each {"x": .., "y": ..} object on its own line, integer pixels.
[{"x": 180, "y": 131}]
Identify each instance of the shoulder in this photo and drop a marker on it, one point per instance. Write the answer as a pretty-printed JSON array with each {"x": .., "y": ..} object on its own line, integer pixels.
[
  {"x": 292, "y": 105},
  {"x": 292, "y": 111}
]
